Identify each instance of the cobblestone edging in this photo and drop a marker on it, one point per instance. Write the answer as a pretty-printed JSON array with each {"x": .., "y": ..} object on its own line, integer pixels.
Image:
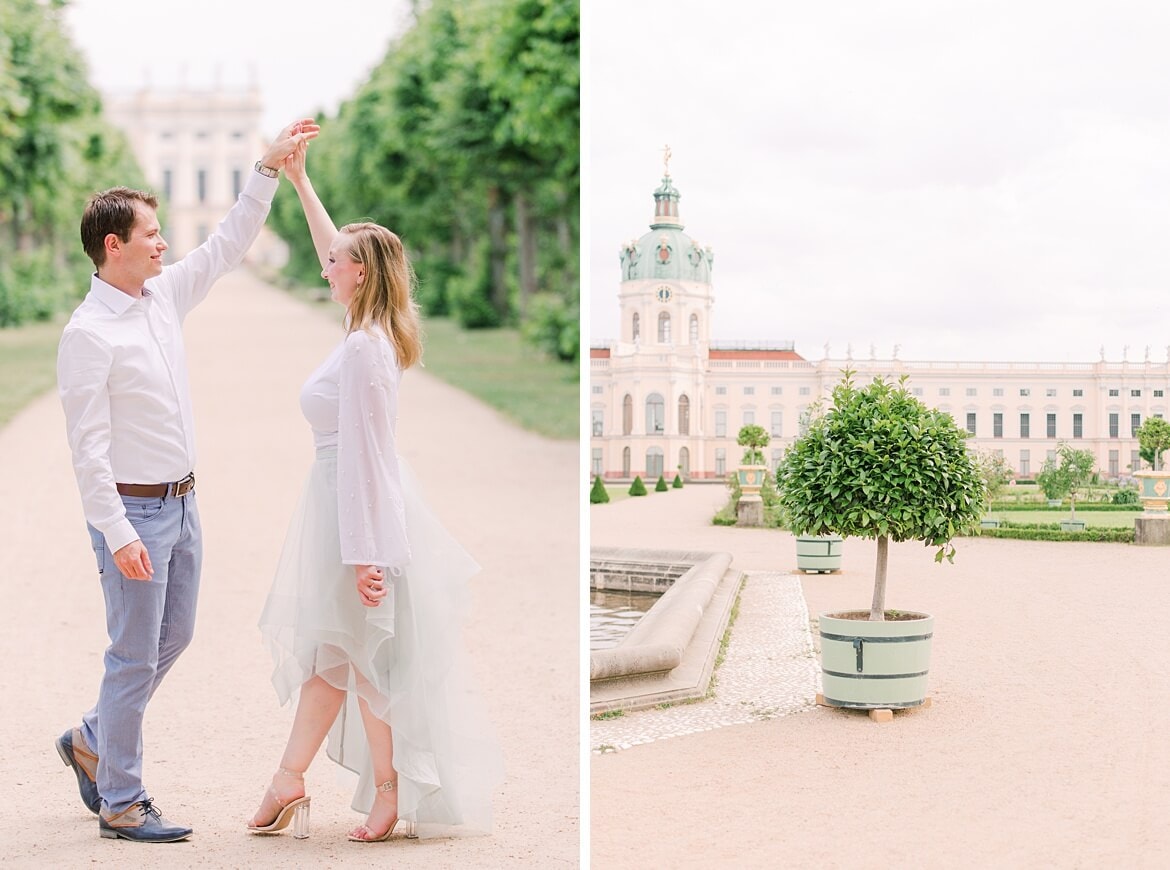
[{"x": 770, "y": 670}]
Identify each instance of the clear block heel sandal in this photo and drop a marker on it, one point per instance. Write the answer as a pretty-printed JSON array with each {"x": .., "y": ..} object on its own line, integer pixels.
[
  {"x": 295, "y": 811},
  {"x": 408, "y": 827}
]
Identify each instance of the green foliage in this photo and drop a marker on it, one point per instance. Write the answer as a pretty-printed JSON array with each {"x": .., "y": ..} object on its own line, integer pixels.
[
  {"x": 881, "y": 464},
  {"x": 1117, "y": 503},
  {"x": 995, "y": 470},
  {"x": 55, "y": 150},
  {"x": 637, "y": 487},
  {"x": 464, "y": 140},
  {"x": 661, "y": 485},
  {"x": 755, "y": 438},
  {"x": 1068, "y": 474},
  {"x": 469, "y": 297},
  {"x": 1153, "y": 440},
  {"x": 554, "y": 324},
  {"x": 597, "y": 494},
  {"x": 678, "y": 483},
  {"x": 1125, "y": 496},
  {"x": 1053, "y": 532}
]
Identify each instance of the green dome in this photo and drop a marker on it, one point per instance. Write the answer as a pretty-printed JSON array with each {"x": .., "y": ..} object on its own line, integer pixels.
[{"x": 666, "y": 251}]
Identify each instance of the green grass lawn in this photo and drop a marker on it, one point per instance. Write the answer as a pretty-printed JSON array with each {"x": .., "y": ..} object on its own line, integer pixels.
[
  {"x": 499, "y": 368},
  {"x": 28, "y": 364},
  {"x": 617, "y": 493},
  {"x": 1102, "y": 519},
  {"x": 495, "y": 366}
]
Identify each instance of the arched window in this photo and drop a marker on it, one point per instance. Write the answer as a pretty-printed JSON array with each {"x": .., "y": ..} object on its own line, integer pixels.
[
  {"x": 627, "y": 414},
  {"x": 626, "y": 462},
  {"x": 637, "y": 326},
  {"x": 655, "y": 414},
  {"x": 694, "y": 328},
  {"x": 654, "y": 459},
  {"x": 684, "y": 415},
  {"x": 664, "y": 327},
  {"x": 684, "y": 462}
]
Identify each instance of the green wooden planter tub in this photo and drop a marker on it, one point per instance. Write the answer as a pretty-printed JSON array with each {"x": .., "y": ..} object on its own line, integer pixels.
[
  {"x": 875, "y": 665},
  {"x": 818, "y": 553}
]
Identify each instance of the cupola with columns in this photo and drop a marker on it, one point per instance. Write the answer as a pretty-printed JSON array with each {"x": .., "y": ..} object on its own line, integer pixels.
[{"x": 665, "y": 294}]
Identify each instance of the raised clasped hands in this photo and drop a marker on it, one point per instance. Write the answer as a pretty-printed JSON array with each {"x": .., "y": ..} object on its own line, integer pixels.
[
  {"x": 294, "y": 164},
  {"x": 295, "y": 134},
  {"x": 371, "y": 585}
]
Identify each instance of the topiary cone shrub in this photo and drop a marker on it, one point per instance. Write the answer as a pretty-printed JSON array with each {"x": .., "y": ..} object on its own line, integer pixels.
[
  {"x": 661, "y": 485},
  {"x": 637, "y": 487},
  {"x": 598, "y": 493},
  {"x": 678, "y": 484},
  {"x": 881, "y": 464}
]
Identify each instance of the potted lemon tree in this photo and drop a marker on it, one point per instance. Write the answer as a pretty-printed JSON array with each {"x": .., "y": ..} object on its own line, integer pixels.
[{"x": 880, "y": 464}]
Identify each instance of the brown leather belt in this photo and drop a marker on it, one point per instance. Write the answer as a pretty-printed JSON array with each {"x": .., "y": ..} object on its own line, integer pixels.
[{"x": 159, "y": 490}]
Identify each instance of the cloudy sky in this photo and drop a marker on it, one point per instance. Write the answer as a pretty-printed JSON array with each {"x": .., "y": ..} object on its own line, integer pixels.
[
  {"x": 967, "y": 180},
  {"x": 302, "y": 60}
]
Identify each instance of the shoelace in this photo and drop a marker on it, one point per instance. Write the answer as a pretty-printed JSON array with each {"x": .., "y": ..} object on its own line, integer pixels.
[{"x": 149, "y": 809}]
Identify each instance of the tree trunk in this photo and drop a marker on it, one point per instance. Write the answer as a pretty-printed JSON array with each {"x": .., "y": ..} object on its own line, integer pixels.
[
  {"x": 569, "y": 275},
  {"x": 497, "y": 252},
  {"x": 527, "y": 237},
  {"x": 877, "y": 611}
]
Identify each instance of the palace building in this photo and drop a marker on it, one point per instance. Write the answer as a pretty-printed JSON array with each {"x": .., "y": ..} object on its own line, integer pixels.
[
  {"x": 196, "y": 148},
  {"x": 666, "y": 396}
]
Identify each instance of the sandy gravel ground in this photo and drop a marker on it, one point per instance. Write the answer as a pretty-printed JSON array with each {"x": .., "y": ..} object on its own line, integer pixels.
[
  {"x": 214, "y": 732},
  {"x": 1046, "y": 745}
]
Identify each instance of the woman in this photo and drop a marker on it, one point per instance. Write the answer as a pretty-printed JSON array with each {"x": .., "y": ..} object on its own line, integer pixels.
[{"x": 362, "y": 620}]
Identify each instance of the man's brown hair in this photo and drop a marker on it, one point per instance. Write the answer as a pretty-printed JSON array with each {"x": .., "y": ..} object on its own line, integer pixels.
[{"x": 111, "y": 211}]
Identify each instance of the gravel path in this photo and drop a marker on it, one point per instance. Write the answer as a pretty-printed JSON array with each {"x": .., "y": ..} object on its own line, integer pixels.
[
  {"x": 1044, "y": 747},
  {"x": 214, "y": 732}
]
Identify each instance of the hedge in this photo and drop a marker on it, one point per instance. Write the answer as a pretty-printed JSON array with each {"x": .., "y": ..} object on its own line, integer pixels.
[
  {"x": 1052, "y": 532},
  {"x": 1081, "y": 506}
]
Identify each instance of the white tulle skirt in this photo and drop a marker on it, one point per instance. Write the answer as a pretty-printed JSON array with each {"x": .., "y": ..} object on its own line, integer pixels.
[{"x": 404, "y": 657}]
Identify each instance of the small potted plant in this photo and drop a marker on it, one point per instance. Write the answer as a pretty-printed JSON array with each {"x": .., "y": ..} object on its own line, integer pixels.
[
  {"x": 880, "y": 464},
  {"x": 996, "y": 473},
  {"x": 1068, "y": 474},
  {"x": 1052, "y": 482},
  {"x": 1153, "y": 440}
]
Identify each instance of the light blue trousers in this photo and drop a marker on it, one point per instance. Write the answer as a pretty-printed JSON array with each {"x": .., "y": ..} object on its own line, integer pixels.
[{"x": 149, "y": 624}]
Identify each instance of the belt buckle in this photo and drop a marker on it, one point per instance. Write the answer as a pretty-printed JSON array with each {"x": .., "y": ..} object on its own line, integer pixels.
[{"x": 185, "y": 485}]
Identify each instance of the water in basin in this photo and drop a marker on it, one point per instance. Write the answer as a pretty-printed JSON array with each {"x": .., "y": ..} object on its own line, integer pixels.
[{"x": 613, "y": 613}]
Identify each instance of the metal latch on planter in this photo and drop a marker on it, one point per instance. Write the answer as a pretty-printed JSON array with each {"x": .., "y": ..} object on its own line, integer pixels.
[{"x": 859, "y": 646}]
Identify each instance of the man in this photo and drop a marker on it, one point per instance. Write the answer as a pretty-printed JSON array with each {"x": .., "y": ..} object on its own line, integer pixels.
[{"x": 122, "y": 377}]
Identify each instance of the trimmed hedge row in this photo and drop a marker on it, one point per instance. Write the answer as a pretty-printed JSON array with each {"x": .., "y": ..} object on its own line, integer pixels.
[
  {"x": 1052, "y": 532},
  {"x": 1043, "y": 506}
]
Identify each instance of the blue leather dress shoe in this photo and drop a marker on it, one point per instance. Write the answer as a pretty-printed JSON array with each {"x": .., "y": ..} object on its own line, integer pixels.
[
  {"x": 73, "y": 751},
  {"x": 142, "y": 823}
]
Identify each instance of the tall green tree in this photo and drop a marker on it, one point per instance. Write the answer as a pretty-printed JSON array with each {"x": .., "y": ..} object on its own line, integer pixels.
[
  {"x": 464, "y": 140},
  {"x": 55, "y": 150}
]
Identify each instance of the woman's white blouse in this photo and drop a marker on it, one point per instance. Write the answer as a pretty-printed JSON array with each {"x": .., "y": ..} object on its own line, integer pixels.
[{"x": 351, "y": 403}]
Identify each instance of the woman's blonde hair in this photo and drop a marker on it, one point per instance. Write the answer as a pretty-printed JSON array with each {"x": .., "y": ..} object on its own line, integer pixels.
[{"x": 386, "y": 295}]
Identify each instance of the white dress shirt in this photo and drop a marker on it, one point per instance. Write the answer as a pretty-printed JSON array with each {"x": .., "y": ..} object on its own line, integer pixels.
[
  {"x": 122, "y": 370},
  {"x": 351, "y": 403}
]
